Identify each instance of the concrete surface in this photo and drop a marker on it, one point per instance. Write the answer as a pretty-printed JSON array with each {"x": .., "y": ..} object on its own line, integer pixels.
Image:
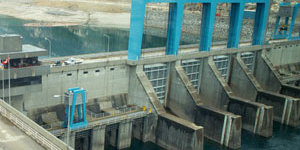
[
  {"x": 98, "y": 138},
  {"x": 185, "y": 135},
  {"x": 124, "y": 135},
  {"x": 13, "y": 139}
]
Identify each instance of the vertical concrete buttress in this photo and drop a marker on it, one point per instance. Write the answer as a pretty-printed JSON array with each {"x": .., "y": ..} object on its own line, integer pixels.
[
  {"x": 98, "y": 138},
  {"x": 185, "y": 102},
  {"x": 124, "y": 134},
  {"x": 71, "y": 138}
]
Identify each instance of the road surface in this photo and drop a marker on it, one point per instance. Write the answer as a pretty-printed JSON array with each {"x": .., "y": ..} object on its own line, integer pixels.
[{"x": 12, "y": 138}]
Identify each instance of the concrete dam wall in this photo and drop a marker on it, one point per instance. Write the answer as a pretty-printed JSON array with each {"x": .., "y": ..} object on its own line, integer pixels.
[{"x": 194, "y": 95}]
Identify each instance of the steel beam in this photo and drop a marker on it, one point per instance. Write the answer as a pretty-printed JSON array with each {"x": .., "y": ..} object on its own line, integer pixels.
[
  {"x": 260, "y": 23},
  {"x": 235, "y": 25},
  {"x": 138, "y": 8},
  {"x": 207, "y": 25},
  {"x": 176, "y": 10},
  {"x": 174, "y": 28}
]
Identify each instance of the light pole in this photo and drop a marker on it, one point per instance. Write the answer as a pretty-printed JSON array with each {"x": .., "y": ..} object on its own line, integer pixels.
[
  {"x": 68, "y": 127},
  {"x": 50, "y": 51},
  {"x": 108, "y": 38}
]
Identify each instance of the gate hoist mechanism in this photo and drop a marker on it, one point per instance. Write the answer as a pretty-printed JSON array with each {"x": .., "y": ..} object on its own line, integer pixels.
[
  {"x": 284, "y": 31},
  {"x": 75, "y": 99}
]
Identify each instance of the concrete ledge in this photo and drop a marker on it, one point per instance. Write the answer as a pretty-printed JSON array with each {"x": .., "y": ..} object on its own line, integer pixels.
[
  {"x": 250, "y": 111},
  {"x": 187, "y": 103},
  {"x": 290, "y": 90},
  {"x": 257, "y": 118},
  {"x": 178, "y": 134},
  {"x": 150, "y": 92},
  {"x": 222, "y": 127},
  {"x": 286, "y": 109}
]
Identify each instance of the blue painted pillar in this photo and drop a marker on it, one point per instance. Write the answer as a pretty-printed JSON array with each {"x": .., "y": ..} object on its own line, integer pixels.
[
  {"x": 83, "y": 106},
  {"x": 286, "y": 23},
  {"x": 174, "y": 28},
  {"x": 277, "y": 25},
  {"x": 207, "y": 25},
  {"x": 73, "y": 110},
  {"x": 136, "y": 29},
  {"x": 235, "y": 25},
  {"x": 260, "y": 23},
  {"x": 79, "y": 112}
]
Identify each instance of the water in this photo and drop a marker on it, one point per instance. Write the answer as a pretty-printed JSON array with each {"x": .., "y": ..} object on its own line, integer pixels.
[
  {"x": 284, "y": 138},
  {"x": 77, "y": 40}
]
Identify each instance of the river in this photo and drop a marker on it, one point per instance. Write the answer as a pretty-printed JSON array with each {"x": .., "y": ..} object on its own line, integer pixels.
[{"x": 74, "y": 40}]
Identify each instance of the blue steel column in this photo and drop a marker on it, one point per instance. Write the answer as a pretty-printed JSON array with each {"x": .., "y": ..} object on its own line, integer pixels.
[
  {"x": 235, "y": 25},
  {"x": 136, "y": 29},
  {"x": 73, "y": 110},
  {"x": 79, "y": 112},
  {"x": 83, "y": 106},
  {"x": 286, "y": 23},
  {"x": 174, "y": 28},
  {"x": 260, "y": 23},
  {"x": 276, "y": 25},
  {"x": 207, "y": 25}
]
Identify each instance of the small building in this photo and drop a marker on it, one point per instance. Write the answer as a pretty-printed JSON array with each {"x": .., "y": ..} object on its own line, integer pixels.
[{"x": 24, "y": 69}]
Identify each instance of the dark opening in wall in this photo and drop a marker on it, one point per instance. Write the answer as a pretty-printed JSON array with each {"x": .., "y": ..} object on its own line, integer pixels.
[
  {"x": 97, "y": 70},
  {"x": 85, "y": 72},
  {"x": 22, "y": 81},
  {"x": 69, "y": 74}
]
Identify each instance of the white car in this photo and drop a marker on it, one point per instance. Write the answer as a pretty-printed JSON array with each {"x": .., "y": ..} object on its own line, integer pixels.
[{"x": 72, "y": 61}]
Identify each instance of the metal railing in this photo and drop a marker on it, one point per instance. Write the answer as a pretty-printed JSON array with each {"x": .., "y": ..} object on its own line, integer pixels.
[
  {"x": 52, "y": 125},
  {"x": 111, "y": 113},
  {"x": 40, "y": 135},
  {"x": 106, "y": 121}
]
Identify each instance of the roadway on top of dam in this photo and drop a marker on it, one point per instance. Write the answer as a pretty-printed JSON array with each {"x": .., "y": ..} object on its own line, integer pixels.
[
  {"x": 13, "y": 138},
  {"x": 146, "y": 53}
]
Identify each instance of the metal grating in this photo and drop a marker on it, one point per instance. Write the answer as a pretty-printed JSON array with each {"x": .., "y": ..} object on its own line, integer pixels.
[
  {"x": 222, "y": 63},
  {"x": 192, "y": 70},
  {"x": 248, "y": 58},
  {"x": 157, "y": 75}
]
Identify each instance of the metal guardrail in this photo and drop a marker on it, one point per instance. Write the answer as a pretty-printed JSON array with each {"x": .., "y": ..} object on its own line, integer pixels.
[
  {"x": 52, "y": 125},
  {"x": 95, "y": 116},
  {"x": 111, "y": 113},
  {"x": 106, "y": 121},
  {"x": 32, "y": 129}
]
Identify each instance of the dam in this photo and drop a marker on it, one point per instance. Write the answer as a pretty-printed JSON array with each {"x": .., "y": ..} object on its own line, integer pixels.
[{"x": 174, "y": 96}]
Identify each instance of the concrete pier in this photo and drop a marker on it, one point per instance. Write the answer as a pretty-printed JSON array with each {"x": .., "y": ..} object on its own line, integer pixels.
[
  {"x": 141, "y": 92},
  {"x": 98, "y": 138},
  {"x": 185, "y": 135},
  {"x": 182, "y": 98},
  {"x": 230, "y": 102},
  {"x": 257, "y": 118},
  {"x": 71, "y": 142},
  {"x": 142, "y": 131},
  {"x": 286, "y": 108},
  {"x": 158, "y": 127},
  {"x": 185, "y": 102},
  {"x": 124, "y": 134},
  {"x": 112, "y": 137},
  {"x": 219, "y": 126}
]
